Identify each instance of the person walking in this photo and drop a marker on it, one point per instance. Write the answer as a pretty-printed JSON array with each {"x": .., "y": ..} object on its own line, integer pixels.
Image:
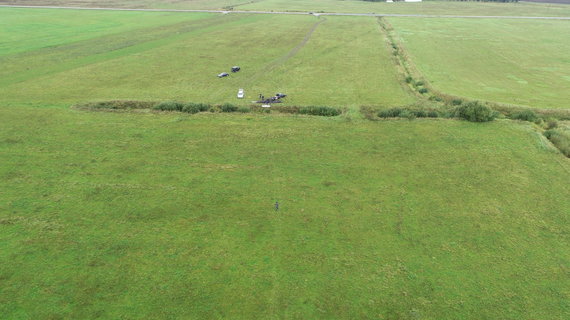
[{"x": 276, "y": 205}]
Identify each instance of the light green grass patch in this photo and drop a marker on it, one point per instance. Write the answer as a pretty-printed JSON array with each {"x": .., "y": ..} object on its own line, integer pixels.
[
  {"x": 338, "y": 61},
  {"x": 508, "y": 61},
  {"x": 426, "y": 7},
  {"x": 26, "y": 30}
]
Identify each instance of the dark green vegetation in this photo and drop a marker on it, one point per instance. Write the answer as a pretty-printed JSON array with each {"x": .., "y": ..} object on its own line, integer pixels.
[
  {"x": 193, "y": 108},
  {"x": 122, "y": 215},
  {"x": 476, "y": 112},
  {"x": 560, "y": 137}
]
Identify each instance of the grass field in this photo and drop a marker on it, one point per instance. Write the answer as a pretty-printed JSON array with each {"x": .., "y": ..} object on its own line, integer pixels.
[
  {"x": 343, "y": 62},
  {"x": 508, "y": 61},
  {"x": 352, "y": 6},
  {"x": 157, "y": 215},
  {"x": 164, "y": 215}
]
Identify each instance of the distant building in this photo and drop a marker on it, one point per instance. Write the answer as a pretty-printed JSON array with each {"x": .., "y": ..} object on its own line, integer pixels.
[{"x": 412, "y": 0}]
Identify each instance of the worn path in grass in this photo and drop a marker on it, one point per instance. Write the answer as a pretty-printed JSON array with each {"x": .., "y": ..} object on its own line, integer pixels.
[{"x": 274, "y": 64}]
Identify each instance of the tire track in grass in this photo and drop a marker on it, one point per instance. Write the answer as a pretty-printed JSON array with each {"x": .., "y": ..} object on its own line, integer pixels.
[{"x": 281, "y": 60}]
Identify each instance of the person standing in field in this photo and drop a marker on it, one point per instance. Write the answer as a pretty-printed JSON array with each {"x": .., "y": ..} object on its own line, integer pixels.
[{"x": 276, "y": 205}]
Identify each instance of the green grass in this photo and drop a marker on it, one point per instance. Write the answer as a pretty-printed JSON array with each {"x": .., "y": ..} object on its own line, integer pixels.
[
  {"x": 120, "y": 215},
  {"x": 508, "y": 61},
  {"x": 427, "y": 7},
  {"x": 148, "y": 4},
  {"x": 344, "y": 62},
  {"x": 153, "y": 215},
  {"x": 24, "y": 30},
  {"x": 352, "y": 6}
]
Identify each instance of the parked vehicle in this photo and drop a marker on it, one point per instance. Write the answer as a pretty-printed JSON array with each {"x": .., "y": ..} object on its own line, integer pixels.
[
  {"x": 240, "y": 94},
  {"x": 223, "y": 74},
  {"x": 236, "y": 69}
]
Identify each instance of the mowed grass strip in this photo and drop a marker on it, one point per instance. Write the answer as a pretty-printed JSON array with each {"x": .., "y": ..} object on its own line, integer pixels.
[
  {"x": 507, "y": 61},
  {"x": 60, "y": 58},
  {"x": 166, "y": 215},
  {"x": 23, "y": 30},
  {"x": 337, "y": 61}
]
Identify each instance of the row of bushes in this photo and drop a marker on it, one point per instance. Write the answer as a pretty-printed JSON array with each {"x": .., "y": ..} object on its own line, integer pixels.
[
  {"x": 408, "y": 113},
  {"x": 472, "y": 111},
  {"x": 192, "y": 108},
  {"x": 228, "y": 107}
]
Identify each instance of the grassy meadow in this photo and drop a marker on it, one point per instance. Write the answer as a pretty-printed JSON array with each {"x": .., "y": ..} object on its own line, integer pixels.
[
  {"x": 122, "y": 215},
  {"x": 350, "y": 6},
  {"x": 340, "y": 61},
  {"x": 156, "y": 215},
  {"x": 426, "y": 7},
  {"x": 509, "y": 61}
]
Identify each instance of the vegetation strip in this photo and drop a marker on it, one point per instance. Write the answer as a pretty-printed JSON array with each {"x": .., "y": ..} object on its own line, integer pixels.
[
  {"x": 419, "y": 84},
  {"x": 193, "y": 108}
]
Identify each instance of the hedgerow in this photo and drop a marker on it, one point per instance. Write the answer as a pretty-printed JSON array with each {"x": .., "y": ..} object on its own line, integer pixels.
[
  {"x": 320, "y": 111},
  {"x": 525, "y": 115},
  {"x": 169, "y": 106},
  {"x": 409, "y": 113},
  {"x": 228, "y": 107},
  {"x": 475, "y": 111},
  {"x": 193, "y": 108}
]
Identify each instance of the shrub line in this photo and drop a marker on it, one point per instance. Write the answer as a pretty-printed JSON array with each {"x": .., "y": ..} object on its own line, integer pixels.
[{"x": 193, "y": 108}]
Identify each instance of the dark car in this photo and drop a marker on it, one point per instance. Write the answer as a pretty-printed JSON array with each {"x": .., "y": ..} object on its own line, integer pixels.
[
  {"x": 236, "y": 69},
  {"x": 280, "y": 95},
  {"x": 223, "y": 74}
]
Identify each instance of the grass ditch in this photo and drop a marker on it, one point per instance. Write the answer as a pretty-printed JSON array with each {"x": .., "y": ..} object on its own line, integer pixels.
[
  {"x": 415, "y": 81},
  {"x": 476, "y": 111},
  {"x": 193, "y": 108}
]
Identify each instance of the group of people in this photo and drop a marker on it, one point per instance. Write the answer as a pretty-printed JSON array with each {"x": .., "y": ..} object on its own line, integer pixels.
[{"x": 276, "y": 98}]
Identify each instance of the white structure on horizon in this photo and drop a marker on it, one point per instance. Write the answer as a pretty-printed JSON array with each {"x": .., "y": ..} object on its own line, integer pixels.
[{"x": 412, "y": 0}]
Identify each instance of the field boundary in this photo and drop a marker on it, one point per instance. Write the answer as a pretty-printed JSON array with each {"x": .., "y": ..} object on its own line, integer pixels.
[
  {"x": 293, "y": 12},
  {"x": 416, "y": 81}
]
